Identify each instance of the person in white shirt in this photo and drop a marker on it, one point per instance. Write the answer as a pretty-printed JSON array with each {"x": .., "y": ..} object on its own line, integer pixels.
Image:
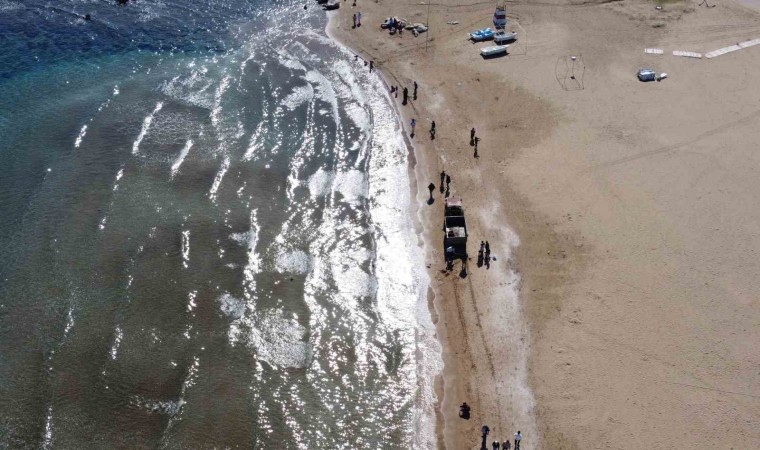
[{"x": 518, "y": 438}]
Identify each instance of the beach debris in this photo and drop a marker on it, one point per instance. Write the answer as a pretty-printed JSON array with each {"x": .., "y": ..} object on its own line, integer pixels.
[
  {"x": 687, "y": 54},
  {"x": 732, "y": 48},
  {"x": 646, "y": 75},
  {"x": 452, "y": 22},
  {"x": 653, "y": 51}
]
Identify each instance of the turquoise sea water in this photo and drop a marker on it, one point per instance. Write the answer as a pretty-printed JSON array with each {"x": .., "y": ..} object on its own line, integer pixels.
[{"x": 205, "y": 236}]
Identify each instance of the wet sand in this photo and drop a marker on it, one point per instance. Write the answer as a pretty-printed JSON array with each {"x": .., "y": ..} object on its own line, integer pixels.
[{"x": 621, "y": 310}]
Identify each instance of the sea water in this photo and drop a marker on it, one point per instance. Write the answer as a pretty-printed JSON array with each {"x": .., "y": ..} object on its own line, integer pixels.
[{"x": 206, "y": 234}]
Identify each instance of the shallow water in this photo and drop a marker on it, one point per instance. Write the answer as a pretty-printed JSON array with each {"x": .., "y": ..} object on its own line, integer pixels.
[{"x": 206, "y": 237}]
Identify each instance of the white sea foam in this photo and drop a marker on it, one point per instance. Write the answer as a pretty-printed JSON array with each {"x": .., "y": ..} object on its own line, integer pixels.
[
  {"x": 218, "y": 95},
  {"x": 219, "y": 177},
  {"x": 351, "y": 185},
  {"x": 185, "y": 248},
  {"x": 145, "y": 127},
  {"x": 278, "y": 340},
  {"x": 296, "y": 262},
  {"x": 320, "y": 183},
  {"x": 299, "y": 96},
  {"x": 47, "y": 441},
  {"x": 118, "y": 335},
  {"x": 325, "y": 91},
  {"x": 69, "y": 322},
  {"x": 181, "y": 157},
  {"x": 79, "y": 138}
]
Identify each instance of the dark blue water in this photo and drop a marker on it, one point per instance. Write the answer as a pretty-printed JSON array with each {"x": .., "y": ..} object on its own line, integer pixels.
[{"x": 204, "y": 234}]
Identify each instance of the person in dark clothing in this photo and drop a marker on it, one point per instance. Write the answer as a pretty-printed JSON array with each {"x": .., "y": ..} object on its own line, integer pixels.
[
  {"x": 354, "y": 22},
  {"x": 495, "y": 445},
  {"x": 464, "y": 411},
  {"x": 506, "y": 445},
  {"x": 414, "y": 94},
  {"x": 488, "y": 249},
  {"x": 448, "y": 181},
  {"x": 406, "y": 96},
  {"x": 472, "y": 136},
  {"x": 431, "y": 188},
  {"x": 484, "y": 430},
  {"x": 432, "y": 130},
  {"x": 371, "y": 66}
]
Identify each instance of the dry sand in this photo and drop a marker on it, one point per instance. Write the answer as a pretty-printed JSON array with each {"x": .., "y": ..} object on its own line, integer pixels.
[{"x": 626, "y": 214}]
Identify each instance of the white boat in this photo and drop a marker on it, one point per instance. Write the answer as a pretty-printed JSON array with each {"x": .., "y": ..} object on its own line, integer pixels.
[
  {"x": 493, "y": 50},
  {"x": 502, "y": 37}
]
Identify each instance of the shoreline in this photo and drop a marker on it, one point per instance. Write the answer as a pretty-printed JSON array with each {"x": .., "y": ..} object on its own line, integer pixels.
[
  {"x": 415, "y": 207},
  {"x": 452, "y": 386}
]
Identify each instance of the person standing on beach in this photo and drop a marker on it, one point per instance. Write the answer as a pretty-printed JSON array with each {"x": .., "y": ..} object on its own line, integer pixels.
[
  {"x": 414, "y": 94},
  {"x": 431, "y": 188},
  {"x": 495, "y": 445},
  {"x": 359, "y": 19},
  {"x": 443, "y": 178},
  {"x": 518, "y": 438},
  {"x": 406, "y": 95},
  {"x": 354, "y": 21},
  {"x": 432, "y": 130},
  {"x": 488, "y": 249},
  {"x": 506, "y": 445},
  {"x": 472, "y": 136},
  {"x": 371, "y": 66},
  {"x": 413, "y": 123},
  {"x": 448, "y": 181}
]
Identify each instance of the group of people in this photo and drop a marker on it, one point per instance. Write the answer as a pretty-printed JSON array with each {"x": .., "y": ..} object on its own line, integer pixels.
[
  {"x": 496, "y": 445},
  {"x": 474, "y": 141},
  {"x": 395, "y": 90},
  {"x": 484, "y": 254},
  {"x": 357, "y": 19}
]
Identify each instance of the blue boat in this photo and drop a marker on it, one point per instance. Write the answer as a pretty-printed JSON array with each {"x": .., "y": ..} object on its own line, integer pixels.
[{"x": 482, "y": 35}]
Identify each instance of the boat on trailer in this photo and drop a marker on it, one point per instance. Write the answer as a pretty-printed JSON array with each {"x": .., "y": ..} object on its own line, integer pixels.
[{"x": 502, "y": 37}]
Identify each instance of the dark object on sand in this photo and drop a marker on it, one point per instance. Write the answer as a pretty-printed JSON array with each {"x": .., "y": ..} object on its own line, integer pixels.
[
  {"x": 331, "y": 6},
  {"x": 321, "y": 2},
  {"x": 455, "y": 229},
  {"x": 464, "y": 411}
]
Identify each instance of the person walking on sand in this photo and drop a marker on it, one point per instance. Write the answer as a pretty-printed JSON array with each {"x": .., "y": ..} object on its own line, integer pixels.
[
  {"x": 432, "y": 130},
  {"x": 413, "y": 123},
  {"x": 448, "y": 181},
  {"x": 443, "y": 179},
  {"x": 431, "y": 188},
  {"x": 371, "y": 66},
  {"x": 406, "y": 96},
  {"x": 495, "y": 445},
  {"x": 488, "y": 249},
  {"x": 359, "y": 19},
  {"x": 354, "y": 21},
  {"x": 506, "y": 445},
  {"x": 518, "y": 438},
  {"x": 414, "y": 94},
  {"x": 472, "y": 136}
]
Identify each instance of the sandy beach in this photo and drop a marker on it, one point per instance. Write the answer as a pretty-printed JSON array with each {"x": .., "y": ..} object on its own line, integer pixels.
[{"x": 621, "y": 310}]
